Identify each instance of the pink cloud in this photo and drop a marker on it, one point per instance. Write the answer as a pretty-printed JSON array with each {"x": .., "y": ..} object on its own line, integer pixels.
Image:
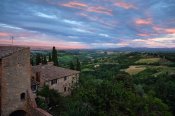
[
  {"x": 143, "y": 34},
  {"x": 4, "y": 34},
  {"x": 88, "y": 8},
  {"x": 170, "y": 30},
  {"x": 143, "y": 21},
  {"x": 164, "y": 30},
  {"x": 99, "y": 9},
  {"x": 75, "y": 4},
  {"x": 107, "y": 23},
  {"x": 125, "y": 5}
]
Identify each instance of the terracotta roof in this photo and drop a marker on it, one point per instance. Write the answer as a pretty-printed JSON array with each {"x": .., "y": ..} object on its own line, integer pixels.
[
  {"x": 8, "y": 50},
  {"x": 50, "y": 72}
]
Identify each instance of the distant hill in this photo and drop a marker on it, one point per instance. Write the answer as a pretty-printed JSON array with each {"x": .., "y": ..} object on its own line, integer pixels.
[
  {"x": 122, "y": 49},
  {"x": 130, "y": 49}
]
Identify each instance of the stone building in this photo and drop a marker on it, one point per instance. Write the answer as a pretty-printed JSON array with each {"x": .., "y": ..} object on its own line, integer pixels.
[
  {"x": 57, "y": 78},
  {"x": 15, "y": 75}
]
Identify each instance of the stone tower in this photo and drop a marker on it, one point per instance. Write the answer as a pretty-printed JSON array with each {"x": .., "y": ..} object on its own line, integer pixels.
[{"x": 15, "y": 72}]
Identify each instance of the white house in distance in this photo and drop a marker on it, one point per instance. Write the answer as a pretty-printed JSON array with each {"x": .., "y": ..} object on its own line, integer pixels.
[{"x": 60, "y": 79}]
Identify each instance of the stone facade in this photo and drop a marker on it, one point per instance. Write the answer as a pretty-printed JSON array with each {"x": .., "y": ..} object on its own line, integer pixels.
[
  {"x": 63, "y": 85},
  {"x": 15, "y": 83},
  {"x": 60, "y": 79}
]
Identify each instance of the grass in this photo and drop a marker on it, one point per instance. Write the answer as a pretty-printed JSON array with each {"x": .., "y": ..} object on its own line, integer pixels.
[
  {"x": 164, "y": 69},
  {"x": 132, "y": 70},
  {"x": 148, "y": 61},
  {"x": 66, "y": 58}
]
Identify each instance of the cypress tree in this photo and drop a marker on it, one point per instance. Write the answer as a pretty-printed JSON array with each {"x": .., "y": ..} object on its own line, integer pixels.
[
  {"x": 78, "y": 65},
  {"x": 54, "y": 56}
]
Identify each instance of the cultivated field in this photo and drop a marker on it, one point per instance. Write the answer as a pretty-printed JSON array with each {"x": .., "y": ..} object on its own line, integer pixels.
[
  {"x": 148, "y": 61},
  {"x": 132, "y": 70}
]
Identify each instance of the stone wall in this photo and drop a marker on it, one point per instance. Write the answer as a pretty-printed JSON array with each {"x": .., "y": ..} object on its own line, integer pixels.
[
  {"x": 15, "y": 80},
  {"x": 62, "y": 83},
  {"x": 32, "y": 109},
  {"x": 0, "y": 83}
]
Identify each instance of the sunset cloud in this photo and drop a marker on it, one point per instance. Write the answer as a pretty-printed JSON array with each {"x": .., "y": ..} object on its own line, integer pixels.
[
  {"x": 4, "y": 34},
  {"x": 164, "y": 30},
  {"x": 99, "y": 9},
  {"x": 125, "y": 5},
  {"x": 88, "y": 8},
  {"x": 170, "y": 30},
  {"x": 143, "y": 21},
  {"x": 88, "y": 23},
  {"x": 75, "y": 5},
  {"x": 143, "y": 34}
]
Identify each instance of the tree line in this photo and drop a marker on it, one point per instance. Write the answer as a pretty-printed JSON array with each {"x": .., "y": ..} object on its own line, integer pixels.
[{"x": 53, "y": 57}]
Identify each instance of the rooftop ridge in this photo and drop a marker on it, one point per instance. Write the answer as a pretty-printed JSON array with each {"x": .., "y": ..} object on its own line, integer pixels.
[{"x": 50, "y": 72}]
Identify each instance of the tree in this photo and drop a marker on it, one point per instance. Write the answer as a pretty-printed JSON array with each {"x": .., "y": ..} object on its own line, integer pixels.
[
  {"x": 38, "y": 59},
  {"x": 53, "y": 99},
  {"x": 44, "y": 60},
  {"x": 71, "y": 65},
  {"x": 50, "y": 57},
  {"x": 78, "y": 67},
  {"x": 31, "y": 61},
  {"x": 54, "y": 56}
]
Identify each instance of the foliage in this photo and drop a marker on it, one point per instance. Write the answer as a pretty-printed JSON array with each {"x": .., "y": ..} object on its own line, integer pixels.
[
  {"x": 41, "y": 103},
  {"x": 54, "y": 56},
  {"x": 163, "y": 86},
  {"x": 78, "y": 67},
  {"x": 44, "y": 60},
  {"x": 104, "y": 90},
  {"x": 52, "y": 99},
  {"x": 38, "y": 59},
  {"x": 111, "y": 98},
  {"x": 50, "y": 57},
  {"x": 72, "y": 65}
]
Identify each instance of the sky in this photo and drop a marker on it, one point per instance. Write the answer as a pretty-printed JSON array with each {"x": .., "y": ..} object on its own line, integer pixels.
[{"x": 87, "y": 24}]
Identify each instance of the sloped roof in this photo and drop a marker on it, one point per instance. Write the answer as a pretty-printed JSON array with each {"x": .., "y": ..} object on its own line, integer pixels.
[
  {"x": 9, "y": 50},
  {"x": 50, "y": 72}
]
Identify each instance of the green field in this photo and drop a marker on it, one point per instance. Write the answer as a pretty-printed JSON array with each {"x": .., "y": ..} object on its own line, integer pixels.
[{"x": 148, "y": 61}]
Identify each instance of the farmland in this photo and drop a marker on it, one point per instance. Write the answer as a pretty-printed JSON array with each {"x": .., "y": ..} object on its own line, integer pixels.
[{"x": 149, "y": 77}]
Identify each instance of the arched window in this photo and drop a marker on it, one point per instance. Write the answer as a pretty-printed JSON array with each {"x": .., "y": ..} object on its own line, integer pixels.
[
  {"x": 18, "y": 113},
  {"x": 22, "y": 96}
]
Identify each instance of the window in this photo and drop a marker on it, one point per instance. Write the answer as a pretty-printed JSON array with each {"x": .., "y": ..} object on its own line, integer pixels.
[
  {"x": 22, "y": 96},
  {"x": 38, "y": 76},
  {"x": 34, "y": 87},
  {"x": 65, "y": 89},
  {"x": 54, "y": 81},
  {"x": 65, "y": 78},
  {"x": 33, "y": 78}
]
